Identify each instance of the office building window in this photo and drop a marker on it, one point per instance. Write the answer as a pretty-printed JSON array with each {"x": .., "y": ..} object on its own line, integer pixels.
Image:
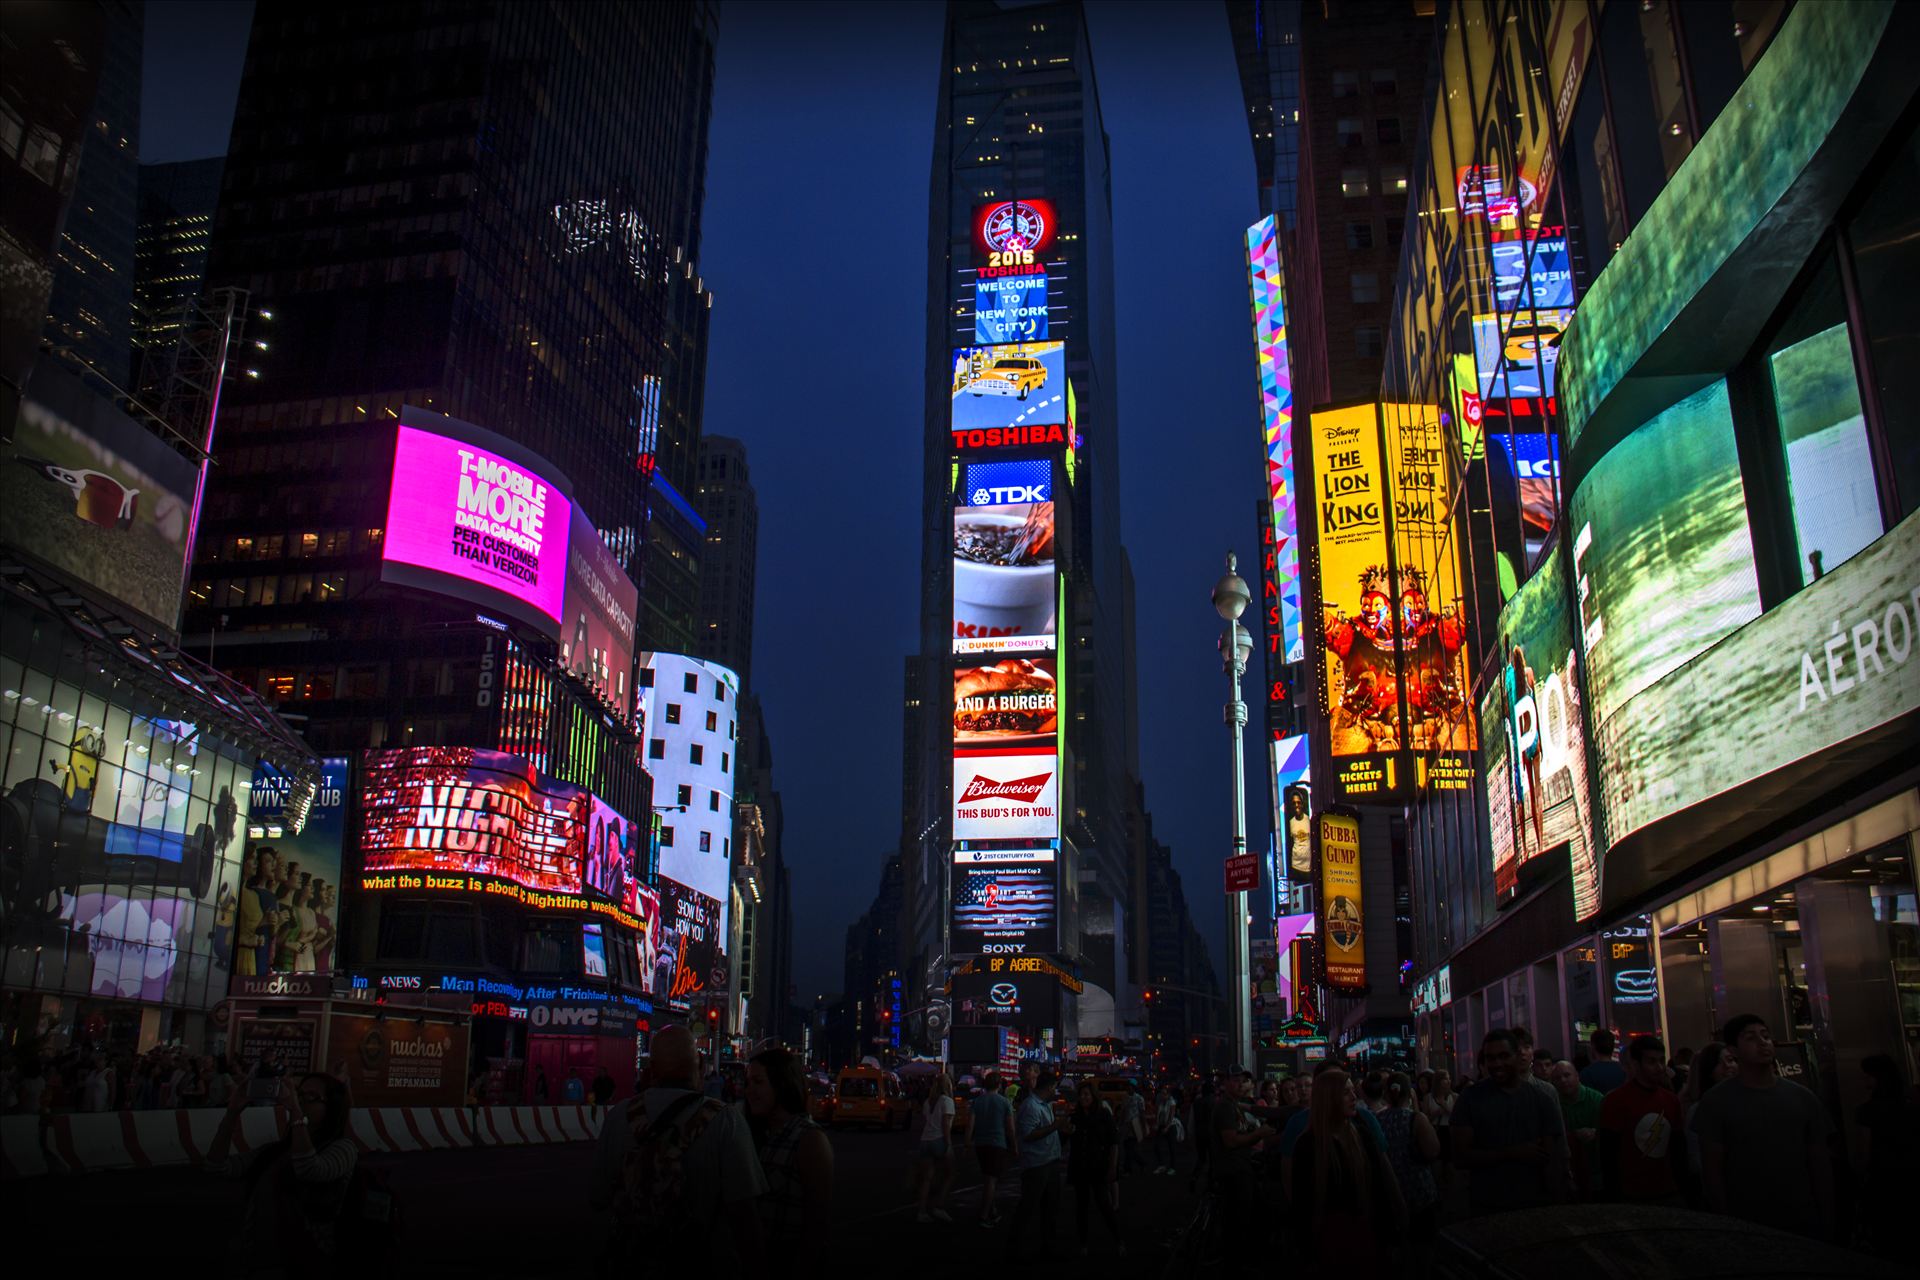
[
  {"x": 673, "y": 713},
  {"x": 1366, "y": 341},
  {"x": 656, "y": 748},
  {"x": 1359, "y": 235},
  {"x": 1387, "y": 129},
  {"x": 1353, "y": 182},
  {"x": 1366, "y": 286},
  {"x": 696, "y": 754}
]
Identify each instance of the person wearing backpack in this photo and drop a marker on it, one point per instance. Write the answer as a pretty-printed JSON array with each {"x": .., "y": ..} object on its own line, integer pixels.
[
  {"x": 678, "y": 1169},
  {"x": 298, "y": 1188}
]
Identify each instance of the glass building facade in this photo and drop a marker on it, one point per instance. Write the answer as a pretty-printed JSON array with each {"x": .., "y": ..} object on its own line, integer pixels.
[{"x": 1670, "y": 378}]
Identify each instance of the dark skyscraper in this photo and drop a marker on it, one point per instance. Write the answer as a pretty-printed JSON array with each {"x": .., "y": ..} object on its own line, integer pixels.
[
  {"x": 447, "y": 208},
  {"x": 1018, "y": 118},
  {"x": 1266, "y": 48},
  {"x": 177, "y": 204},
  {"x": 91, "y": 311},
  {"x": 1363, "y": 73},
  {"x": 727, "y": 503}
]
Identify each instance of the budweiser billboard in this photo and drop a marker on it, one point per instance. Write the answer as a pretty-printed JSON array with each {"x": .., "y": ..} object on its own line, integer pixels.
[{"x": 1012, "y": 794}]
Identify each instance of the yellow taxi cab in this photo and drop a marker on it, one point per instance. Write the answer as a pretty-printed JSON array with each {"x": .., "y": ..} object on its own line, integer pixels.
[
  {"x": 1010, "y": 376},
  {"x": 867, "y": 1095}
]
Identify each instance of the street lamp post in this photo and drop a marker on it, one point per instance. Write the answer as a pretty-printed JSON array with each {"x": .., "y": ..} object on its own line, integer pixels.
[{"x": 1230, "y": 599}]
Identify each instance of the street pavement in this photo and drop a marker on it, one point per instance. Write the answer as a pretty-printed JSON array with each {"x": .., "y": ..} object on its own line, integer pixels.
[{"x": 522, "y": 1211}]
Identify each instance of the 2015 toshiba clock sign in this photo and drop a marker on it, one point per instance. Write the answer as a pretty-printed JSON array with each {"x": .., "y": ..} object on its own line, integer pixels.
[{"x": 473, "y": 515}]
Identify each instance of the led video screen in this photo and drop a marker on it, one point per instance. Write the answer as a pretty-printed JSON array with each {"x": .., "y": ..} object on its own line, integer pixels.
[
  {"x": 1011, "y": 703},
  {"x": 474, "y": 516},
  {"x": 1010, "y": 309},
  {"x": 1267, "y": 276},
  {"x": 1013, "y": 233},
  {"x": 1016, "y": 385},
  {"x": 1004, "y": 596},
  {"x": 1009, "y": 794},
  {"x": 463, "y": 809},
  {"x": 1005, "y": 901},
  {"x": 598, "y": 613},
  {"x": 1774, "y": 692},
  {"x": 1534, "y": 749},
  {"x": 1663, "y": 562}
]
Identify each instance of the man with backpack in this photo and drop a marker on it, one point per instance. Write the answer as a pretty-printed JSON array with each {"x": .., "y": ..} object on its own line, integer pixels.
[{"x": 678, "y": 1168}]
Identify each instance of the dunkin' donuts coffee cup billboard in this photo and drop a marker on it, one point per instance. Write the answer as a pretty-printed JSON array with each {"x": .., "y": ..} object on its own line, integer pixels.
[{"x": 1004, "y": 595}]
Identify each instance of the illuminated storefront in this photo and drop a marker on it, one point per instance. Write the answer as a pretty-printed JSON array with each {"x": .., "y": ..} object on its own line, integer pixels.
[{"x": 1695, "y": 638}]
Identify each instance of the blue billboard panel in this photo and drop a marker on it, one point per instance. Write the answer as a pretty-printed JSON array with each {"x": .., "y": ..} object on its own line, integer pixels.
[
  {"x": 1532, "y": 270},
  {"x": 989, "y": 484},
  {"x": 1010, "y": 309},
  {"x": 1021, "y": 384}
]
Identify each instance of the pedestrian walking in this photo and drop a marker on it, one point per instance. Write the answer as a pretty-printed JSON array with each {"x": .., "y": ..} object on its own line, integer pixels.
[
  {"x": 540, "y": 1091},
  {"x": 1037, "y": 1133},
  {"x": 1580, "y": 1115},
  {"x": 575, "y": 1089},
  {"x": 933, "y": 1157},
  {"x": 679, "y": 1171},
  {"x": 603, "y": 1089},
  {"x": 1889, "y": 1121},
  {"x": 1714, "y": 1066},
  {"x": 1763, "y": 1140},
  {"x": 990, "y": 1125},
  {"x": 796, "y": 1212},
  {"x": 1234, "y": 1134},
  {"x": 1412, "y": 1149},
  {"x": 1439, "y": 1105},
  {"x": 1507, "y": 1135},
  {"x": 1167, "y": 1132},
  {"x": 1202, "y": 1108},
  {"x": 1641, "y": 1149},
  {"x": 1345, "y": 1202},
  {"x": 1132, "y": 1121},
  {"x": 1093, "y": 1164},
  {"x": 1603, "y": 1072}
]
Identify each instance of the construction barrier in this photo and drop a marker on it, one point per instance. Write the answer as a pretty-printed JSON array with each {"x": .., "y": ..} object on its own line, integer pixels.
[{"x": 89, "y": 1142}]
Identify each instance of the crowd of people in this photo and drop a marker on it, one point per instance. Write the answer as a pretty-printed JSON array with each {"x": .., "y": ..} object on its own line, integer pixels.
[
  {"x": 1358, "y": 1167},
  {"x": 85, "y": 1077}
]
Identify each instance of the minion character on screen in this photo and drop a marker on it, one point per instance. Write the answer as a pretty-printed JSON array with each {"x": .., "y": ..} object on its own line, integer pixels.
[{"x": 81, "y": 769}]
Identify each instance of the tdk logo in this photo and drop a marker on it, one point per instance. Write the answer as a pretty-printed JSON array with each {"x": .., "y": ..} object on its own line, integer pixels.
[
  {"x": 992, "y": 484},
  {"x": 985, "y": 497}
]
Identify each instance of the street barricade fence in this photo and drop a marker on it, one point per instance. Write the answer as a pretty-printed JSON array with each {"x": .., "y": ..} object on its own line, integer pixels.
[{"x": 87, "y": 1142}]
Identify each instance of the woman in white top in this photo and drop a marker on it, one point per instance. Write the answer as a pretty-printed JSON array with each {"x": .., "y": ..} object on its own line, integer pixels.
[
  {"x": 1437, "y": 1106},
  {"x": 308, "y": 925},
  {"x": 935, "y": 1152}
]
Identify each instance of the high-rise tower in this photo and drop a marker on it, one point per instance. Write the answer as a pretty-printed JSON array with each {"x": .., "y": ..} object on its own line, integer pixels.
[{"x": 1020, "y": 434}]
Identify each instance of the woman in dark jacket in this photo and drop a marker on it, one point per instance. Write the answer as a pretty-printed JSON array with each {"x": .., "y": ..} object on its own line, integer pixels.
[
  {"x": 1093, "y": 1162},
  {"x": 1346, "y": 1203}
]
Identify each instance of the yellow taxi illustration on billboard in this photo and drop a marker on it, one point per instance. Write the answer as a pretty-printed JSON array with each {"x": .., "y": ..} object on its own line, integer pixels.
[{"x": 1004, "y": 376}]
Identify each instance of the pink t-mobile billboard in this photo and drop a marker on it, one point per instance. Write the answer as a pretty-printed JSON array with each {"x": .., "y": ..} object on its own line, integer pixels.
[{"x": 473, "y": 516}]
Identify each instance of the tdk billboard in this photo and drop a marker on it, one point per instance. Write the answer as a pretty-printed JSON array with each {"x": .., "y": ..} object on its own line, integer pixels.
[{"x": 992, "y": 484}]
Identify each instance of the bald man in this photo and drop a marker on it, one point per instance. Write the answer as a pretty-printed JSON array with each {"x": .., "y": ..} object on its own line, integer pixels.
[{"x": 713, "y": 1218}]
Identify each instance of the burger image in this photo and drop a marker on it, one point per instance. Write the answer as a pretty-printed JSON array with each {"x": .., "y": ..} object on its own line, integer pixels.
[{"x": 1004, "y": 704}]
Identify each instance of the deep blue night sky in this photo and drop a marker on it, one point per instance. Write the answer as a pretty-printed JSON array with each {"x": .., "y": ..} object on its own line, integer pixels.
[{"x": 815, "y": 243}]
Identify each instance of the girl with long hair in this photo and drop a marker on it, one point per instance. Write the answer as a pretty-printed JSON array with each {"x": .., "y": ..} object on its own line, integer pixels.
[
  {"x": 934, "y": 1159},
  {"x": 1710, "y": 1066},
  {"x": 1093, "y": 1163},
  {"x": 796, "y": 1211},
  {"x": 1345, "y": 1201},
  {"x": 296, "y": 1186}
]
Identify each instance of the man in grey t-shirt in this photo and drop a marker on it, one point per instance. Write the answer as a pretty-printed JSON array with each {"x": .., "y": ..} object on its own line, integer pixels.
[
  {"x": 1508, "y": 1135},
  {"x": 1764, "y": 1152}
]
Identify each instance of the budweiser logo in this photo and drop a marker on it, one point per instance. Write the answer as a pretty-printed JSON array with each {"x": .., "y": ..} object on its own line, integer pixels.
[{"x": 1025, "y": 790}]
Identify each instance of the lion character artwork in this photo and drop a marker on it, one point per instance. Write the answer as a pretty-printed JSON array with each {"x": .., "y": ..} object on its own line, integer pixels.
[
  {"x": 1366, "y": 708},
  {"x": 1436, "y": 703}
]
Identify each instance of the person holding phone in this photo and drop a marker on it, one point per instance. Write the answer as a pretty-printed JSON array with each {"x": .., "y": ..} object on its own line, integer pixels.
[{"x": 297, "y": 1185}]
